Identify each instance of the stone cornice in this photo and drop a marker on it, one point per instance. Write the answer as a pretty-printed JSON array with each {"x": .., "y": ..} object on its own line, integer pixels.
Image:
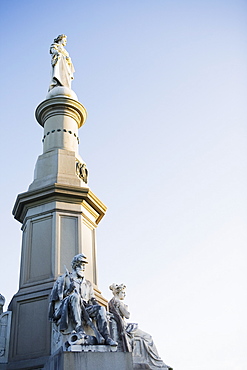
[
  {"x": 61, "y": 106},
  {"x": 57, "y": 192}
]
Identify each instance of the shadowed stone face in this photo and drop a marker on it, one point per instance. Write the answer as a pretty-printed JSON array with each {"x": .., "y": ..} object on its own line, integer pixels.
[{"x": 80, "y": 270}]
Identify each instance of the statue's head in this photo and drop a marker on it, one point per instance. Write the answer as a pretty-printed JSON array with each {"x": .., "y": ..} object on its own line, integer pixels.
[
  {"x": 62, "y": 38},
  {"x": 118, "y": 290},
  {"x": 78, "y": 264}
]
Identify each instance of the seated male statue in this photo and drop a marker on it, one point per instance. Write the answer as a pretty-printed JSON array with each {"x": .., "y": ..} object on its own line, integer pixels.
[{"x": 72, "y": 301}]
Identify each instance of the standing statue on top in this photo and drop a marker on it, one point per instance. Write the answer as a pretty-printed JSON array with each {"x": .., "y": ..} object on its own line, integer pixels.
[
  {"x": 62, "y": 66},
  {"x": 129, "y": 336}
]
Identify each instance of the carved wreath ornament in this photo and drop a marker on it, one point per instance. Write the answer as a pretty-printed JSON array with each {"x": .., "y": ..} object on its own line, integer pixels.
[{"x": 81, "y": 171}]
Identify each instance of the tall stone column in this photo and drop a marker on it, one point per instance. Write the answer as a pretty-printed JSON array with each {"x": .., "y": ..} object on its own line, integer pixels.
[{"x": 59, "y": 215}]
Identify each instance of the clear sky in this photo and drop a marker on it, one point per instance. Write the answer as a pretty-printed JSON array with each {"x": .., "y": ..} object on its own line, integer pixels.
[{"x": 165, "y": 86}]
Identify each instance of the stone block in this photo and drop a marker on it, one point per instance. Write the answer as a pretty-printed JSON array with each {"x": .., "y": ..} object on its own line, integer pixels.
[
  {"x": 90, "y": 361},
  {"x": 30, "y": 329}
]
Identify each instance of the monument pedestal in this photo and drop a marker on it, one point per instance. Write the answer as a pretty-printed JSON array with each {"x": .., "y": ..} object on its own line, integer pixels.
[
  {"x": 64, "y": 360},
  {"x": 59, "y": 215}
]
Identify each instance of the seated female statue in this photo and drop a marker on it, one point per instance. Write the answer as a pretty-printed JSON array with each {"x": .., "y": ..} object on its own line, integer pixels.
[{"x": 132, "y": 338}]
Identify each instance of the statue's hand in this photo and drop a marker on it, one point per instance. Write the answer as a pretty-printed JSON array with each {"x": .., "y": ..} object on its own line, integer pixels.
[
  {"x": 71, "y": 288},
  {"x": 117, "y": 304},
  {"x": 54, "y": 59},
  {"x": 68, "y": 60},
  {"x": 94, "y": 302}
]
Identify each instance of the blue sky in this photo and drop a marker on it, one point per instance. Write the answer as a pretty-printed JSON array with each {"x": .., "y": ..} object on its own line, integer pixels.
[{"x": 164, "y": 84}]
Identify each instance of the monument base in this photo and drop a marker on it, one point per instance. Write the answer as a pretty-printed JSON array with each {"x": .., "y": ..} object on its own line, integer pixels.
[{"x": 64, "y": 360}]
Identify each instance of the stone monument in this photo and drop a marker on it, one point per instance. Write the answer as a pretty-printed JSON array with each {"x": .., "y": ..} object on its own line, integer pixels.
[{"x": 59, "y": 215}]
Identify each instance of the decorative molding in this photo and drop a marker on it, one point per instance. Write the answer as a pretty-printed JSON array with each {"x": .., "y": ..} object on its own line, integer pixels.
[{"x": 57, "y": 192}]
